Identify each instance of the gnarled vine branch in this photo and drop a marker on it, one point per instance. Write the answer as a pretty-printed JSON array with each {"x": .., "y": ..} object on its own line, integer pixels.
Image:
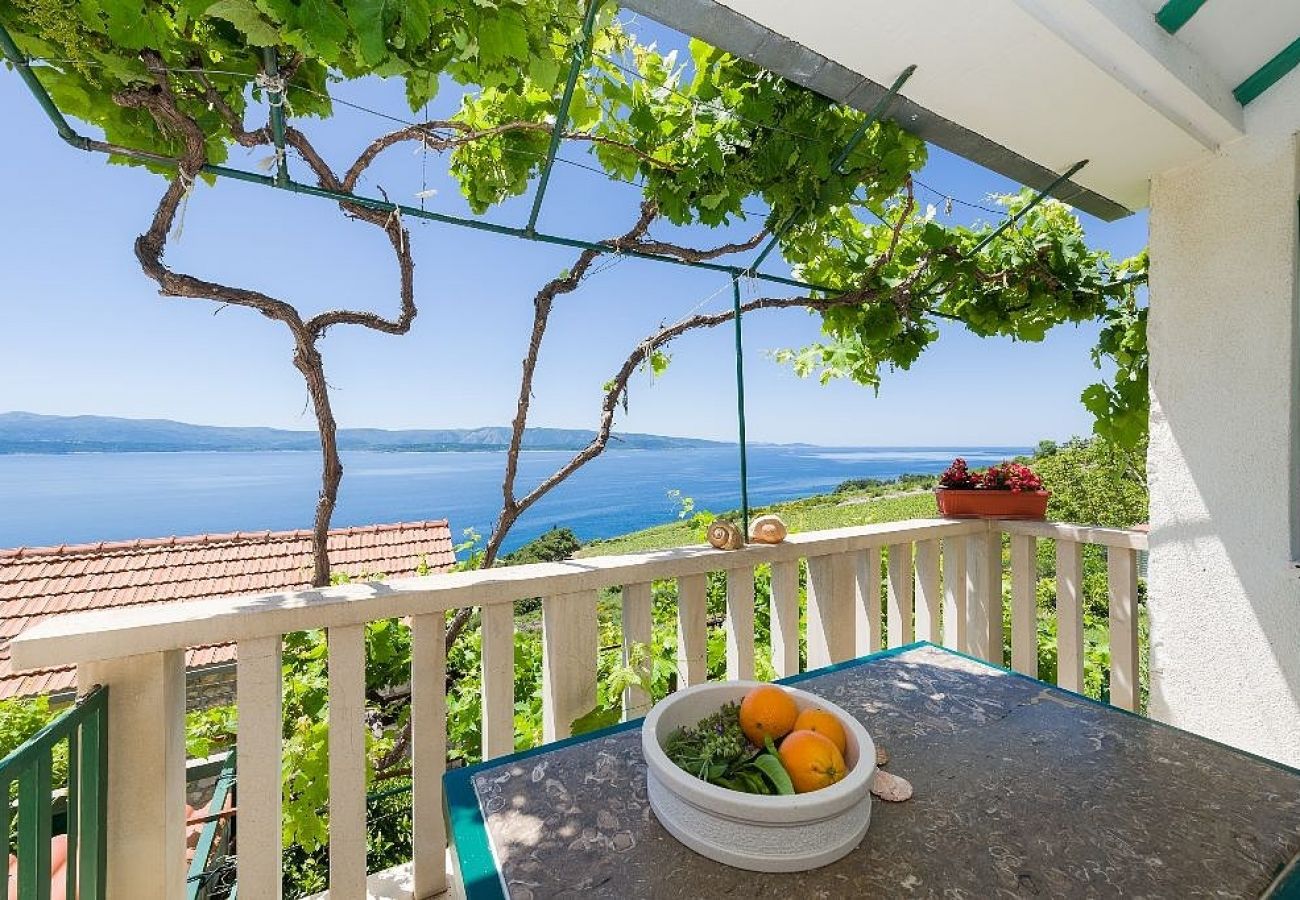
[{"x": 159, "y": 100}]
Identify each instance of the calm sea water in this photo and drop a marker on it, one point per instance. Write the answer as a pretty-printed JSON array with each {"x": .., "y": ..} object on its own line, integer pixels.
[{"x": 116, "y": 496}]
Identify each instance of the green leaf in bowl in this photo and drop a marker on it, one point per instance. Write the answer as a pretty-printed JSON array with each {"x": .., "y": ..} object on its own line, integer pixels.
[{"x": 770, "y": 765}]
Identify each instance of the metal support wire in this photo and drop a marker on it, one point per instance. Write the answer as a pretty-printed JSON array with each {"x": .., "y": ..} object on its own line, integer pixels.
[
  {"x": 562, "y": 114},
  {"x": 1041, "y": 196},
  {"x": 276, "y": 98},
  {"x": 877, "y": 112},
  {"x": 740, "y": 407}
]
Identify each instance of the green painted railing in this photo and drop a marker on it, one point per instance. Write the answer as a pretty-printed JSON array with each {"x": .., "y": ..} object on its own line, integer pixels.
[
  {"x": 84, "y": 729},
  {"x": 212, "y": 876}
]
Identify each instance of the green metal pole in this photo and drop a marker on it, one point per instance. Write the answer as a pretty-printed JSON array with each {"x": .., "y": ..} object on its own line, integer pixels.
[
  {"x": 272, "y": 64},
  {"x": 876, "y": 113},
  {"x": 16, "y": 56},
  {"x": 562, "y": 114},
  {"x": 1042, "y": 195},
  {"x": 740, "y": 407},
  {"x": 1011, "y": 220},
  {"x": 71, "y": 823}
]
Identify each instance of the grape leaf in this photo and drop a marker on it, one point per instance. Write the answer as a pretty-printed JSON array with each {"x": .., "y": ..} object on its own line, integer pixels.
[{"x": 246, "y": 17}]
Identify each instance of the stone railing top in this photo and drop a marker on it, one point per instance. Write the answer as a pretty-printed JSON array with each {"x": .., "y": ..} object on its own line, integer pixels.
[{"x": 111, "y": 634}]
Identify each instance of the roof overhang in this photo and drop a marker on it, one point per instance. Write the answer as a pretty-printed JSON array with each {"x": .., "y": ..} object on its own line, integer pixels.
[{"x": 1023, "y": 87}]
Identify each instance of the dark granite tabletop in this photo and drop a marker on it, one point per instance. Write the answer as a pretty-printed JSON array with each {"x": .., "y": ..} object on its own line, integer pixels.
[{"x": 1021, "y": 790}]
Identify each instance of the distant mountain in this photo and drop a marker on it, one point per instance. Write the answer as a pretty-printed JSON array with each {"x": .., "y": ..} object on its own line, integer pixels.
[{"x": 22, "y": 432}]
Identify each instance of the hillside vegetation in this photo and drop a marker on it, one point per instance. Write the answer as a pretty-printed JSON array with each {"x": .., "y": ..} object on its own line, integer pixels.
[
  {"x": 892, "y": 502},
  {"x": 1092, "y": 483}
]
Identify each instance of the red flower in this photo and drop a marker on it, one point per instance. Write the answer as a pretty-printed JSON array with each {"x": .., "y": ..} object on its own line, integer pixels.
[{"x": 1007, "y": 476}]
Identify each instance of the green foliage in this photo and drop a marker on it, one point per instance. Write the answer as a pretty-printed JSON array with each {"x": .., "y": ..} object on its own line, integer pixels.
[
  {"x": 1095, "y": 483},
  {"x": 809, "y": 514},
  {"x": 716, "y": 750},
  {"x": 658, "y": 362},
  {"x": 210, "y": 731},
  {"x": 20, "y": 719},
  {"x": 695, "y": 521},
  {"x": 1030, "y": 278},
  {"x": 648, "y": 667},
  {"x": 554, "y": 545},
  {"x": 703, "y": 135},
  {"x": 506, "y": 46},
  {"x": 876, "y": 487}
]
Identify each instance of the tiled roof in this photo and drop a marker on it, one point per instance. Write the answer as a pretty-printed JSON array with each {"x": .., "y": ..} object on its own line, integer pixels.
[{"x": 36, "y": 583}]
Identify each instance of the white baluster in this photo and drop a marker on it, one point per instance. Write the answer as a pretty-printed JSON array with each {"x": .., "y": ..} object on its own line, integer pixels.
[
  {"x": 569, "y": 648},
  {"x": 984, "y": 596},
  {"x": 259, "y": 693},
  {"x": 1069, "y": 615},
  {"x": 898, "y": 595},
  {"x": 1024, "y": 604},
  {"x": 954, "y": 594},
  {"x": 146, "y": 771},
  {"x": 929, "y": 602},
  {"x": 831, "y": 597},
  {"x": 785, "y": 618},
  {"x": 638, "y": 627},
  {"x": 1121, "y": 563},
  {"x": 692, "y": 630},
  {"x": 498, "y": 665},
  {"x": 866, "y": 600},
  {"x": 347, "y": 745},
  {"x": 428, "y": 753}
]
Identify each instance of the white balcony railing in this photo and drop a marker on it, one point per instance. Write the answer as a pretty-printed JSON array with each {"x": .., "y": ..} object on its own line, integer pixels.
[{"x": 943, "y": 583}]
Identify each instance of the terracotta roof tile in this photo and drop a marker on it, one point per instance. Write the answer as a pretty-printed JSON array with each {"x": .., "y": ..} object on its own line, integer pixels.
[{"x": 37, "y": 582}]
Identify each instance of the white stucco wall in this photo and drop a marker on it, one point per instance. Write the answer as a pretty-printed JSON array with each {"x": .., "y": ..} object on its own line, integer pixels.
[{"x": 1224, "y": 593}]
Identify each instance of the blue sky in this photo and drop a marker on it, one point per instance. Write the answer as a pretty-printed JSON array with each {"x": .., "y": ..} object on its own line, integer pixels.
[{"x": 85, "y": 332}]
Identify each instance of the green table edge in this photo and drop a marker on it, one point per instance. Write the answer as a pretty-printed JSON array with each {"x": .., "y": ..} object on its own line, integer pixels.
[{"x": 482, "y": 879}]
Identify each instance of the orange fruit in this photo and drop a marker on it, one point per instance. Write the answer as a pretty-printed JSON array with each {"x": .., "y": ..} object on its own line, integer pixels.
[
  {"x": 812, "y": 761},
  {"x": 824, "y": 723},
  {"x": 767, "y": 712}
]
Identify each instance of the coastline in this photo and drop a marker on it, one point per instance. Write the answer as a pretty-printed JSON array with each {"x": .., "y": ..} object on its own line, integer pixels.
[{"x": 51, "y": 499}]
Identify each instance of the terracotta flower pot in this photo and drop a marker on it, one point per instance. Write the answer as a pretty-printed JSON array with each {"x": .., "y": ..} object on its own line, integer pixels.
[{"x": 980, "y": 504}]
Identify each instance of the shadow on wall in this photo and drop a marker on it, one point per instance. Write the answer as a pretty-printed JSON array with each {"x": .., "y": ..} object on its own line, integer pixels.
[{"x": 1224, "y": 601}]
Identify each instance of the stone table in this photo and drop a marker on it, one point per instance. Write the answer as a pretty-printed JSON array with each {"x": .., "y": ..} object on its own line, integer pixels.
[{"x": 1022, "y": 790}]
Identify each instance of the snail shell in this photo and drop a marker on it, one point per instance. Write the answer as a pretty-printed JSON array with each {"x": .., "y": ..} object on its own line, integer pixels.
[
  {"x": 725, "y": 535},
  {"x": 767, "y": 530}
]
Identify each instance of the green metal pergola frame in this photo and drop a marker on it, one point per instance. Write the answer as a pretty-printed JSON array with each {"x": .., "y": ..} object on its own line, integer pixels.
[
  {"x": 1174, "y": 14},
  {"x": 281, "y": 179}
]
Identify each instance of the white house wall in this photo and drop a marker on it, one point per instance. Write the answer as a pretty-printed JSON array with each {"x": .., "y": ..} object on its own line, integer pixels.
[{"x": 1224, "y": 593}]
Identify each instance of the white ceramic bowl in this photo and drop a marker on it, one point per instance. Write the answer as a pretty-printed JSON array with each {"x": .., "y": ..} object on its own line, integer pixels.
[{"x": 752, "y": 831}]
